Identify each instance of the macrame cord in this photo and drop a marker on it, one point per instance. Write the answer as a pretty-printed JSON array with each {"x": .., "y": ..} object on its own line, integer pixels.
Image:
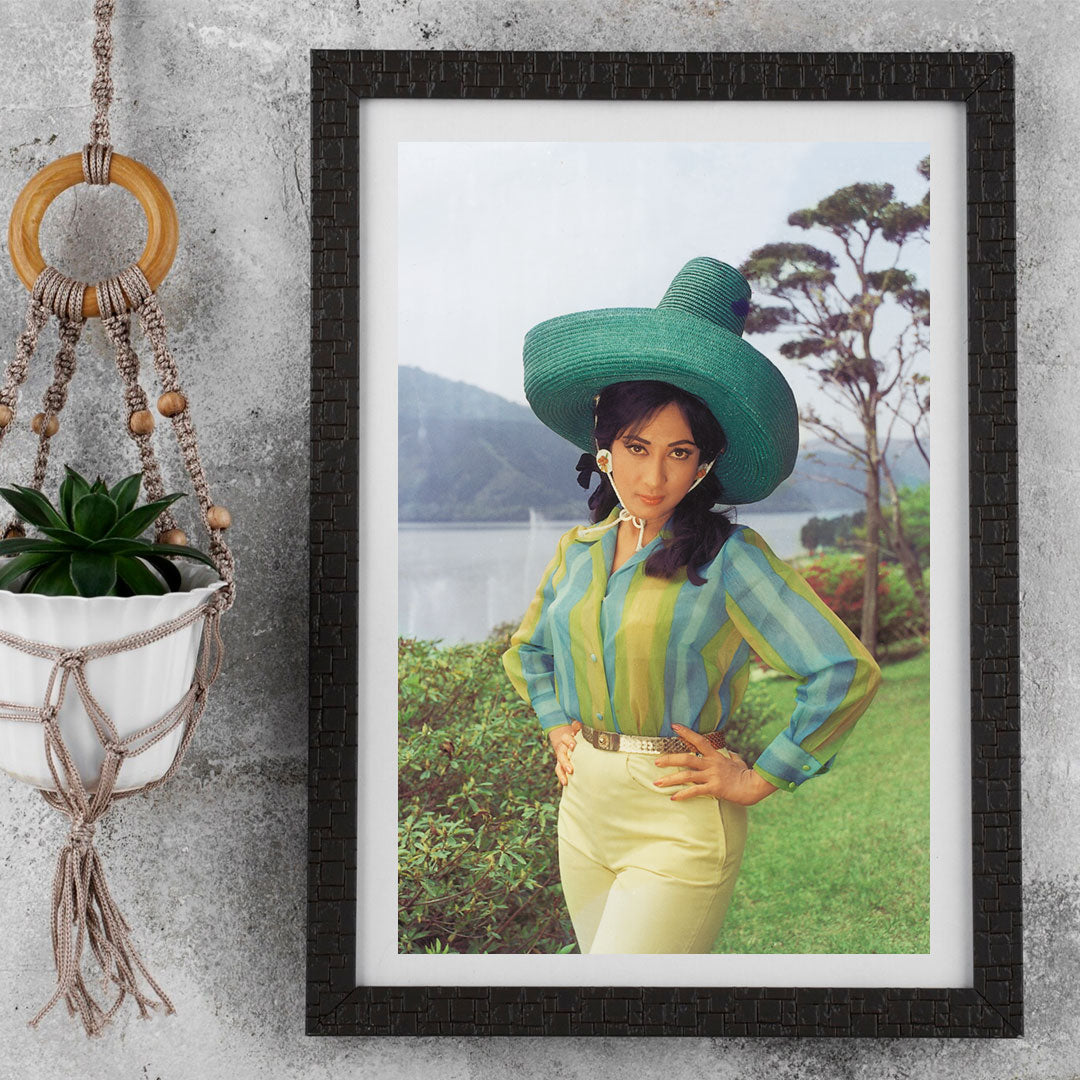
[{"x": 83, "y": 911}]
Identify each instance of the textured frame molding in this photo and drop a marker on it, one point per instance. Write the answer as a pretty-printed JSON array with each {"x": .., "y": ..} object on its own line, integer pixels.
[{"x": 335, "y": 1005}]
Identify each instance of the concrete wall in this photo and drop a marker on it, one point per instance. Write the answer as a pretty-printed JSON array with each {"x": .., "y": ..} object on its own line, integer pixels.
[{"x": 214, "y": 96}]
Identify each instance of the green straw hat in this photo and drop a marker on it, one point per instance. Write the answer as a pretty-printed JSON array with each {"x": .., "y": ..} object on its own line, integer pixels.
[{"x": 692, "y": 339}]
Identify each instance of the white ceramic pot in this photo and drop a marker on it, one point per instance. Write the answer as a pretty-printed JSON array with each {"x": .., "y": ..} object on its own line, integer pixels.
[{"x": 135, "y": 688}]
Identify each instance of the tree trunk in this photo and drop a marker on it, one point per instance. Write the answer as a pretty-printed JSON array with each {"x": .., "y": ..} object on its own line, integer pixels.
[
  {"x": 908, "y": 559},
  {"x": 868, "y": 630}
]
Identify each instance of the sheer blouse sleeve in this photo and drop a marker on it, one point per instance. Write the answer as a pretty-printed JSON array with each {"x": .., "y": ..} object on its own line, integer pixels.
[{"x": 789, "y": 626}]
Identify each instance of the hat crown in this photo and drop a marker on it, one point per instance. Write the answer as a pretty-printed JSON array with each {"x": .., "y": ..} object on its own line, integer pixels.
[{"x": 710, "y": 289}]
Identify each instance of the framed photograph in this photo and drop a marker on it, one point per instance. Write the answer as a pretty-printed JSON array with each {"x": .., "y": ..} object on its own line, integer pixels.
[{"x": 461, "y": 199}]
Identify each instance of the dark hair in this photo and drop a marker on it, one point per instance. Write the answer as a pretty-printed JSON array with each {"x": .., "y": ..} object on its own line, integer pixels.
[{"x": 698, "y": 531}]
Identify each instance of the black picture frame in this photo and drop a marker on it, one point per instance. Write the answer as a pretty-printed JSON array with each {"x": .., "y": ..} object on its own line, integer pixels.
[{"x": 993, "y": 1007}]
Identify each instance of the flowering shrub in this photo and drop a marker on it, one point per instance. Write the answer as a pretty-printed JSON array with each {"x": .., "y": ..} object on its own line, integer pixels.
[{"x": 838, "y": 580}]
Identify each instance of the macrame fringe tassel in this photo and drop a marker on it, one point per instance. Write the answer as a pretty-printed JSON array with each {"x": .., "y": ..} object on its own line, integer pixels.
[{"x": 84, "y": 911}]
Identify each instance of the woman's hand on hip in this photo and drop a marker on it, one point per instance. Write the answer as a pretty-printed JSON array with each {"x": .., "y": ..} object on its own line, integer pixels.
[
  {"x": 562, "y": 742},
  {"x": 712, "y": 773}
]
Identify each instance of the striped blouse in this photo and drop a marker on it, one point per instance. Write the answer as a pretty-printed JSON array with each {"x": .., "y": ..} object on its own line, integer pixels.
[{"x": 631, "y": 653}]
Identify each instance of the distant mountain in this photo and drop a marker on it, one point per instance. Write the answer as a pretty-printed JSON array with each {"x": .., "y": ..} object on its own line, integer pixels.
[
  {"x": 465, "y": 454},
  {"x": 420, "y": 394}
]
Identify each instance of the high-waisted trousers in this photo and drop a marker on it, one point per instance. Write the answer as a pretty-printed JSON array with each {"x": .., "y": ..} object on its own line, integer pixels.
[{"x": 640, "y": 873}]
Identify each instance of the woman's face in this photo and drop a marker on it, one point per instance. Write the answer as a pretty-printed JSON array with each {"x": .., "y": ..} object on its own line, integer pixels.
[{"x": 655, "y": 465}]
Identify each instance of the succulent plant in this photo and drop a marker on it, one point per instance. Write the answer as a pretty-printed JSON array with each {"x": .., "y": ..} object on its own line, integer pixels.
[{"x": 90, "y": 545}]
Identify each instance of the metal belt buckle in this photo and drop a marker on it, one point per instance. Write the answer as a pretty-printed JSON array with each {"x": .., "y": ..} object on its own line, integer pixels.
[{"x": 604, "y": 740}]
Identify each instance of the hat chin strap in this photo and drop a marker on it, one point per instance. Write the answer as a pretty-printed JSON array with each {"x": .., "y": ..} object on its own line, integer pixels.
[
  {"x": 603, "y": 461},
  {"x": 625, "y": 515}
]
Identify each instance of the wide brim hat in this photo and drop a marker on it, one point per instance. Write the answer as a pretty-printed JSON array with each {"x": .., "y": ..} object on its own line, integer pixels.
[{"x": 693, "y": 340}]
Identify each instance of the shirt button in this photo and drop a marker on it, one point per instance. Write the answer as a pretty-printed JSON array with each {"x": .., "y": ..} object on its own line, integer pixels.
[
  {"x": 806, "y": 768},
  {"x": 791, "y": 786},
  {"x": 592, "y": 657},
  {"x": 599, "y": 716}
]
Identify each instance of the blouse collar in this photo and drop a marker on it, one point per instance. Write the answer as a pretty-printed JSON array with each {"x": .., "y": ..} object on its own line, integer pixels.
[{"x": 589, "y": 534}]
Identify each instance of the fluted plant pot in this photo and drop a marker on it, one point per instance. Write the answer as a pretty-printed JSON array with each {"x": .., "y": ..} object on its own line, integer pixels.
[{"x": 134, "y": 688}]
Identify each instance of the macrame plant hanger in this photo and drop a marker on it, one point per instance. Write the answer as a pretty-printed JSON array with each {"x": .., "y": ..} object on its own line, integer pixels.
[{"x": 83, "y": 910}]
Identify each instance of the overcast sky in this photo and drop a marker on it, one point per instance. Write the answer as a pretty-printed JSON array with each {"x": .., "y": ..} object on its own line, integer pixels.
[{"x": 494, "y": 237}]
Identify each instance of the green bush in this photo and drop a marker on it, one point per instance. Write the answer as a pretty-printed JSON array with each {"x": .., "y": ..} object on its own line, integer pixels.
[
  {"x": 478, "y": 868},
  {"x": 477, "y": 805},
  {"x": 915, "y": 514}
]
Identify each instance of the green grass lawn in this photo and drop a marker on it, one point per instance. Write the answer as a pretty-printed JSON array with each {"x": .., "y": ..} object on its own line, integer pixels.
[{"x": 843, "y": 864}]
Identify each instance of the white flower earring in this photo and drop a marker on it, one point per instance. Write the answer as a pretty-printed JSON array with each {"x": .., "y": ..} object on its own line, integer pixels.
[{"x": 702, "y": 472}]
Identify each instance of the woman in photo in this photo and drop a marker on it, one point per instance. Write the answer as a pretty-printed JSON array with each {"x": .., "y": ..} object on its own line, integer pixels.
[{"x": 637, "y": 647}]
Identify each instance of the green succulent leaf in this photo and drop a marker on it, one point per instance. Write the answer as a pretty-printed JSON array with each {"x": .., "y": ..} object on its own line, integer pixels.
[
  {"x": 73, "y": 488},
  {"x": 22, "y": 563},
  {"x": 98, "y": 487},
  {"x": 29, "y": 543},
  {"x": 93, "y": 573},
  {"x": 167, "y": 569},
  {"x": 142, "y": 517},
  {"x": 184, "y": 552},
  {"x": 66, "y": 538},
  {"x": 125, "y": 493},
  {"x": 54, "y": 580},
  {"x": 94, "y": 515},
  {"x": 78, "y": 477},
  {"x": 27, "y": 585},
  {"x": 32, "y": 506},
  {"x": 139, "y": 578},
  {"x": 120, "y": 545}
]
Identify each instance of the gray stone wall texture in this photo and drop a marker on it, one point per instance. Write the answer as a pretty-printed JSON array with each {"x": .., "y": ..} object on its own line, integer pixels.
[{"x": 210, "y": 869}]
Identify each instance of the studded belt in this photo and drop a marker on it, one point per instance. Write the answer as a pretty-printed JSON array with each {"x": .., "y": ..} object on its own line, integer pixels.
[{"x": 647, "y": 744}]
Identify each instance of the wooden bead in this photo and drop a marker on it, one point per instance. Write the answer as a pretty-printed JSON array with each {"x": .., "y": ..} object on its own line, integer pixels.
[
  {"x": 6, "y": 416},
  {"x": 52, "y": 428},
  {"x": 142, "y": 422},
  {"x": 15, "y": 532},
  {"x": 172, "y": 403},
  {"x": 176, "y": 537},
  {"x": 218, "y": 517}
]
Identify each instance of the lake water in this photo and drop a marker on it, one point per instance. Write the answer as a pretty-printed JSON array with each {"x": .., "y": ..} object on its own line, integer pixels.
[{"x": 458, "y": 581}]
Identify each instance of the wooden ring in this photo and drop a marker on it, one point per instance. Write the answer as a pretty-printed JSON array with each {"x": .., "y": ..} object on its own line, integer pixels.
[{"x": 162, "y": 227}]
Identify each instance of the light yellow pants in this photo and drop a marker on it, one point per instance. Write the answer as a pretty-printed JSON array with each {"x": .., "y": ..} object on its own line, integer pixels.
[{"x": 640, "y": 873}]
